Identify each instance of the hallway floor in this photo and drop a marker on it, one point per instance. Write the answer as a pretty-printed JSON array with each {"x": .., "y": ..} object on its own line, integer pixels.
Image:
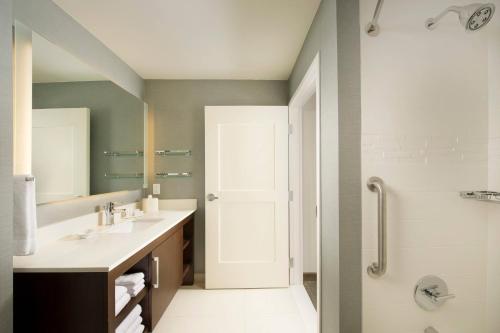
[{"x": 196, "y": 310}]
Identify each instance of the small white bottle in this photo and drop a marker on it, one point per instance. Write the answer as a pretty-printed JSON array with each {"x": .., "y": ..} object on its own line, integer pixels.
[{"x": 150, "y": 205}]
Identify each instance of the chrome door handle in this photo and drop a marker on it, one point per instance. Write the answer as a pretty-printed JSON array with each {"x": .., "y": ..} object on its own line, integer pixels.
[
  {"x": 156, "y": 282},
  {"x": 212, "y": 197},
  {"x": 377, "y": 269}
]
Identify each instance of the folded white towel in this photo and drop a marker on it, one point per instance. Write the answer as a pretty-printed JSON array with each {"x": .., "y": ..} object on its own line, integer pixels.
[
  {"x": 129, "y": 320},
  {"x": 24, "y": 215},
  {"x": 119, "y": 292},
  {"x": 129, "y": 279},
  {"x": 133, "y": 328},
  {"x": 140, "y": 329},
  {"x": 135, "y": 290},
  {"x": 121, "y": 303}
]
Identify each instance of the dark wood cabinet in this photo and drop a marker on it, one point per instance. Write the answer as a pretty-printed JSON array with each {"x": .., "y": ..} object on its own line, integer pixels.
[
  {"x": 76, "y": 302},
  {"x": 167, "y": 274}
]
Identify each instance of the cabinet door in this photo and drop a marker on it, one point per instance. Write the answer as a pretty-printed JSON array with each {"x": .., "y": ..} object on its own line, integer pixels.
[{"x": 167, "y": 258}]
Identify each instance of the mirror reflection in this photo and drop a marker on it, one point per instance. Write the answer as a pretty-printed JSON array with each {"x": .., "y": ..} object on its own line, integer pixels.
[{"x": 86, "y": 131}]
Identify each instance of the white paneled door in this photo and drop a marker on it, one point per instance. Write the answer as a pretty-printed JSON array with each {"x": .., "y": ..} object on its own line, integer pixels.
[
  {"x": 246, "y": 187},
  {"x": 61, "y": 153}
]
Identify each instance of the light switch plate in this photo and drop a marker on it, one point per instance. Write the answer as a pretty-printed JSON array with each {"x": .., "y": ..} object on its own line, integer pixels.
[{"x": 156, "y": 189}]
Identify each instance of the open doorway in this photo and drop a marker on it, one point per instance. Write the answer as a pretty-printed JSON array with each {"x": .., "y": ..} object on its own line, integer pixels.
[
  {"x": 309, "y": 199},
  {"x": 305, "y": 270}
]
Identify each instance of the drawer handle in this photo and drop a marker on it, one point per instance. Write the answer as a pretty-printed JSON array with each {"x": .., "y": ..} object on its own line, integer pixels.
[{"x": 156, "y": 283}]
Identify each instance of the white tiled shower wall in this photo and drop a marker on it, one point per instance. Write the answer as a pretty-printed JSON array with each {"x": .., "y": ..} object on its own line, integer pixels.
[
  {"x": 493, "y": 255},
  {"x": 426, "y": 106}
]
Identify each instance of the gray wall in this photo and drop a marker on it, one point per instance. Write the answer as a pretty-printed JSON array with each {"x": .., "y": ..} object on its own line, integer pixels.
[
  {"x": 6, "y": 166},
  {"x": 349, "y": 72},
  {"x": 178, "y": 108},
  {"x": 48, "y": 20},
  {"x": 340, "y": 159},
  {"x": 116, "y": 123}
]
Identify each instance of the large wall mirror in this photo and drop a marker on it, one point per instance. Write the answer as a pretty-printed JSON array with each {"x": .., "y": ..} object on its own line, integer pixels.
[{"x": 87, "y": 133}]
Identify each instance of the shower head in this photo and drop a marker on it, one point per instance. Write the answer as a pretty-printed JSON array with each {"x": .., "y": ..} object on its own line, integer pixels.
[{"x": 472, "y": 17}]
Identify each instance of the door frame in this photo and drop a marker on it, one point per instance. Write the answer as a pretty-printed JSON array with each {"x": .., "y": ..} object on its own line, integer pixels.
[{"x": 309, "y": 86}]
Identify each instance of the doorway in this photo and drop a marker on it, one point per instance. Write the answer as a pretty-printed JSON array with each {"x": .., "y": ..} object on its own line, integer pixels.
[{"x": 304, "y": 114}]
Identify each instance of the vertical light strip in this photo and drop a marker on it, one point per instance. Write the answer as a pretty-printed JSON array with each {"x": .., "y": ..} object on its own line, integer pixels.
[{"x": 23, "y": 81}]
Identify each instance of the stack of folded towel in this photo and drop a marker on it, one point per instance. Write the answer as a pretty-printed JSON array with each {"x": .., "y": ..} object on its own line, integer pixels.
[
  {"x": 132, "y": 323},
  {"x": 134, "y": 283},
  {"x": 122, "y": 297}
]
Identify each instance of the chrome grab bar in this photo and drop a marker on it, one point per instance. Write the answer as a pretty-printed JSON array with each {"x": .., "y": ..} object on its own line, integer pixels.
[{"x": 377, "y": 269}]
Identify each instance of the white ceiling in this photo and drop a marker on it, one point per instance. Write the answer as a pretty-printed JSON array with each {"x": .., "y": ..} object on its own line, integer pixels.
[
  {"x": 53, "y": 64},
  {"x": 200, "y": 39}
]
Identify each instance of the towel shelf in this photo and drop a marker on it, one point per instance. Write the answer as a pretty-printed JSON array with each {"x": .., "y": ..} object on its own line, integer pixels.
[
  {"x": 136, "y": 153},
  {"x": 173, "y": 174},
  {"x": 130, "y": 306},
  {"x": 173, "y": 152},
  {"x": 187, "y": 269},
  {"x": 124, "y": 175}
]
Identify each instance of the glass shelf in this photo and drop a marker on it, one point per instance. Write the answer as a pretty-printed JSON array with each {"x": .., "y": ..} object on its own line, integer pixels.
[
  {"x": 173, "y": 152},
  {"x": 124, "y": 175},
  {"x": 136, "y": 153},
  {"x": 481, "y": 195},
  {"x": 173, "y": 174}
]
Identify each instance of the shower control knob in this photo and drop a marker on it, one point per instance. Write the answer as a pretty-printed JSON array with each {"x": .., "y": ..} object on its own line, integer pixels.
[{"x": 431, "y": 292}]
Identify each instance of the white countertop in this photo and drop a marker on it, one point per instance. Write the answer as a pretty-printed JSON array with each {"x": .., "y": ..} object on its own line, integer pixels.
[{"x": 100, "y": 253}]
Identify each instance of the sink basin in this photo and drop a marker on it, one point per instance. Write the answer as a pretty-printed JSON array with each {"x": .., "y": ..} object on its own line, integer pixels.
[
  {"x": 127, "y": 227},
  {"x": 148, "y": 219},
  {"x": 120, "y": 228}
]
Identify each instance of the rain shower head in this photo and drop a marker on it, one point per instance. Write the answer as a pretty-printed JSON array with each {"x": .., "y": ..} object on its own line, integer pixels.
[{"x": 472, "y": 17}]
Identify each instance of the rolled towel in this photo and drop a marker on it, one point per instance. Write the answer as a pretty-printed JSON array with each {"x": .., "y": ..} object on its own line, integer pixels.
[
  {"x": 129, "y": 279},
  {"x": 140, "y": 329},
  {"x": 129, "y": 320},
  {"x": 121, "y": 303},
  {"x": 133, "y": 328},
  {"x": 135, "y": 290},
  {"x": 119, "y": 292},
  {"x": 24, "y": 215}
]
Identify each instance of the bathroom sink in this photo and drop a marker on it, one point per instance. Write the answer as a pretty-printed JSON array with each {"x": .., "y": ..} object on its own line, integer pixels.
[
  {"x": 127, "y": 227},
  {"x": 120, "y": 228},
  {"x": 151, "y": 219}
]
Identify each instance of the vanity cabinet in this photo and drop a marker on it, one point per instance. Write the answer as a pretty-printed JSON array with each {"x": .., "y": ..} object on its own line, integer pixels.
[
  {"x": 84, "y": 301},
  {"x": 167, "y": 274}
]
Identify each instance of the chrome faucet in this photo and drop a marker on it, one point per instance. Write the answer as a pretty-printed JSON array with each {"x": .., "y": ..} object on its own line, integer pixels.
[{"x": 110, "y": 211}]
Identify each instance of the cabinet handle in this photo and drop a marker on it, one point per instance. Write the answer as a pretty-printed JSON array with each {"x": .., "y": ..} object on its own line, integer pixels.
[{"x": 156, "y": 283}]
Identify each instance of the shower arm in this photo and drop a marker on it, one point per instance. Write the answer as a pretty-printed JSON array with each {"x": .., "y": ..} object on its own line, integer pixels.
[
  {"x": 373, "y": 28},
  {"x": 378, "y": 9},
  {"x": 432, "y": 22}
]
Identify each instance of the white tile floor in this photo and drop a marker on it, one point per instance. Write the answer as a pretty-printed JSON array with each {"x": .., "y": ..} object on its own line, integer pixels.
[{"x": 197, "y": 310}]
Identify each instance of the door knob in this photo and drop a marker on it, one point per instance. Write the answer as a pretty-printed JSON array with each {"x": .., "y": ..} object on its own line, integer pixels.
[{"x": 212, "y": 197}]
